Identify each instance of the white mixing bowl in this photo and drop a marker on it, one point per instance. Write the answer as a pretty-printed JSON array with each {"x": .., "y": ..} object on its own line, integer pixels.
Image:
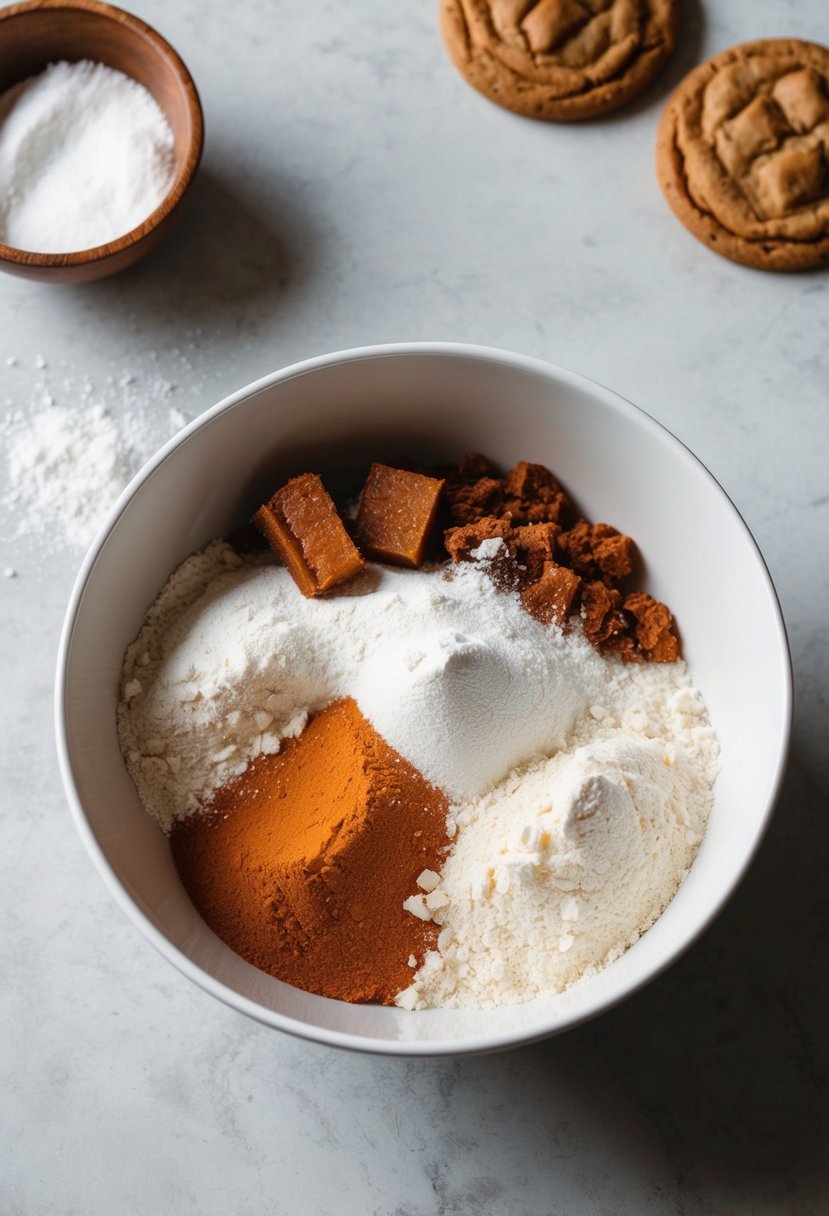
[{"x": 433, "y": 401}]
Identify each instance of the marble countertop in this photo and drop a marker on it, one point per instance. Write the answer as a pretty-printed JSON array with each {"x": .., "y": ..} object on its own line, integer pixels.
[{"x": 355, "y": 190}]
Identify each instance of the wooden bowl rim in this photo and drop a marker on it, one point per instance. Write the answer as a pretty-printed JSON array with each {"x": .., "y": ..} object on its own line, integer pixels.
[{"x": 184, "y": 175}]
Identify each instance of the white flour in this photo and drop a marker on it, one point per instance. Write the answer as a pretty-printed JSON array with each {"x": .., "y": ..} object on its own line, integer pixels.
[
  {"x": 568, "y": 861},
  {"x": 582, "y": 785},
  {"x": 452, "y": 673},
  {"x": 85, "y": 156},
  {"x": 71, "y": 448}
]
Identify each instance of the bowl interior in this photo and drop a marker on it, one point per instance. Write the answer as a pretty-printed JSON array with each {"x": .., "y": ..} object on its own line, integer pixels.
[{"x": 342, "y": 411}]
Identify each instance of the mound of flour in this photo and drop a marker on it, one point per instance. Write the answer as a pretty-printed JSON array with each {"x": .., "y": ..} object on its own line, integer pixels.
[
  {"x": 562, "y": 866},
  {"x": 451, "y": 672}
]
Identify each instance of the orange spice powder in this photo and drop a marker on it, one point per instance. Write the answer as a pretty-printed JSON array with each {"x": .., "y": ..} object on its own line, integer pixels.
[{"x": 302, "y": 864}]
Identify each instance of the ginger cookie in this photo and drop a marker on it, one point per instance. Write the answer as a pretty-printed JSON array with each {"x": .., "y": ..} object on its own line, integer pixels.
[
  {"x": 743, "y": 154},
  {"x": 559, "y": 59}
]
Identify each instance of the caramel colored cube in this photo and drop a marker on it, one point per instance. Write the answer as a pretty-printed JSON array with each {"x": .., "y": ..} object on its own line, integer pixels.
[
  {"x": 396, "y": 515},
  {"x": 301, "y": 525}
]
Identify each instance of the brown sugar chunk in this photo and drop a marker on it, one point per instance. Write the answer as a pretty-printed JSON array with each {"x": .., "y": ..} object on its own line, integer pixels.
[
  {"x": 533, "y": 546},
  {"x": 462, "y": 541},
  {"x": 743, "y": 154},
  {"x": 654, "y": 627},
  {"x": 601, "y": 612},
  {"x": 550, "y": 598},
  {"x": 557, "y": 570},
  {"x": 533, "y": 495},
  {"x": 301, "y": 524},
  {"x": 530, "y": 481},
  {"x": 470, "y": 501},
  {"x": 473, "y": 466},
  {"x": 396, "y": 515},
  {"x": 598, "y": 550},
  {"x": 612, "y": 551},
  {"x": 559, "y": 60}
]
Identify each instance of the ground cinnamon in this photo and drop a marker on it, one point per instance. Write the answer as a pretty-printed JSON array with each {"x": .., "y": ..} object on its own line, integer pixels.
[{"x": 303, "y": 863}]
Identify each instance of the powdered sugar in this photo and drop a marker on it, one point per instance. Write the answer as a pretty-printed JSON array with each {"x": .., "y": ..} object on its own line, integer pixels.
[{"x": 85, "y": 156}]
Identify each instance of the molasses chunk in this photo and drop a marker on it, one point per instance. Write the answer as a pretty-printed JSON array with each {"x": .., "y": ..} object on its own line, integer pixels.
[
  {"x": 654, "y": 627},
  {"x": 301, "y": 525},
  {"x": 598, "y": 551},
  {"x": 396, "y": 515},
  {"x": 551, "y": 597}
]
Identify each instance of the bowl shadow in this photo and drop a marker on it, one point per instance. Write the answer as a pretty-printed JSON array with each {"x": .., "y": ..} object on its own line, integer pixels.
[{"x": 226, "y": 267}]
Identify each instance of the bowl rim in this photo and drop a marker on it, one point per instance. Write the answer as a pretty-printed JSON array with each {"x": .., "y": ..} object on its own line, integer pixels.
[
  {"x": 31, "y": 259},
  {"x": 352, "y": 1041}
]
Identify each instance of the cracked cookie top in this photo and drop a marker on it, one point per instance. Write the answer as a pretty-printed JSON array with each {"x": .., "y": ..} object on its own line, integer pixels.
[
  {"x": 559, "y": 59},
  {"x": 743, "y": 154}
]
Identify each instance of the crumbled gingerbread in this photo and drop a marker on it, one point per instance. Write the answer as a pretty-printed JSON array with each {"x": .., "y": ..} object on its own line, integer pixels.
[
  {"x": 598, "y": 551},
  {"x": 301, "y": 524},
  {"x": 654, "y": 627},
  {"x": 550, "y": 598},
  {"x": 396, "y": 515}
]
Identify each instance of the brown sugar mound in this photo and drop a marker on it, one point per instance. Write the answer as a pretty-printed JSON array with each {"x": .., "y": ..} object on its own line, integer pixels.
[
  {"x": 559, "y": 567},
  {"x": 742, "y": 154},
  {"x": 303, "y": 863},
  {"x": 559, "y": 60}
]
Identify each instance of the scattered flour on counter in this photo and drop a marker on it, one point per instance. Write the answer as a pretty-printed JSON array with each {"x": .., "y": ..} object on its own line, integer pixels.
[
  {"x": 73, "y": 447},
  {"x": 70, "y": 465}
]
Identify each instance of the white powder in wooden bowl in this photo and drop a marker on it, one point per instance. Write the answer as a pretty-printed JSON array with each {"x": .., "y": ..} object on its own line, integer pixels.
[{"x": 86, "y": 155}]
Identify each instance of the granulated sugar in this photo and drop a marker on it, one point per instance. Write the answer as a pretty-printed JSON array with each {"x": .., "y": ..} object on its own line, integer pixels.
[
  {"x": 72, "y": 447},
  {"x": 86, "y": 155}
]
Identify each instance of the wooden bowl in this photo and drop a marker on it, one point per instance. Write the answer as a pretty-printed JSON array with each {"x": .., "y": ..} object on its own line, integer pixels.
[{"x": 39, "y": 32}]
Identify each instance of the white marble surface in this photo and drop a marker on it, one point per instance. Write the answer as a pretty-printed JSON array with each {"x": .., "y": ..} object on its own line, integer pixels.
[{"x": 355, "y": 190}]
